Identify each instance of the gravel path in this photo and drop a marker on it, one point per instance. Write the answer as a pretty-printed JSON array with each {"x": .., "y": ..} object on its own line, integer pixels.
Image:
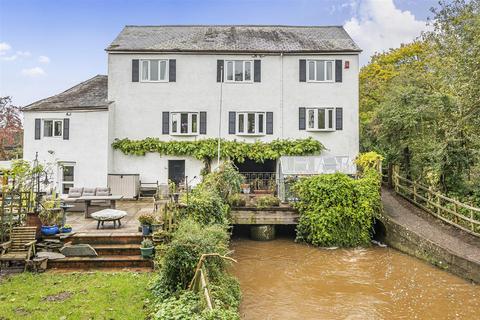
[{"x": 431, "y": 228}]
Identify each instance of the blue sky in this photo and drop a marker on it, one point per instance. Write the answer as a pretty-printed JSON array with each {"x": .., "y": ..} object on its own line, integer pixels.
[{"x": 47, "y": 46}]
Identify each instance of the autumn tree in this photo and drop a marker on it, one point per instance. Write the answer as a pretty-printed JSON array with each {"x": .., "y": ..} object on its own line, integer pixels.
[{"x": 10, "y": 128}]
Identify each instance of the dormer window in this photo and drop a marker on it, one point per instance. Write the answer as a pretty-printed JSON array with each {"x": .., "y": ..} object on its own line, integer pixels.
[
  {"x": 154, "y": 70},
  {"x": 238, "y": 71}
]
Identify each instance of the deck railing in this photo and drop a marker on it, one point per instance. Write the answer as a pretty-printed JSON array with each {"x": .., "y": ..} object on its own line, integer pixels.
[
  {"x": 451, "y": 211},
  {"x": 261, "y": 180}
]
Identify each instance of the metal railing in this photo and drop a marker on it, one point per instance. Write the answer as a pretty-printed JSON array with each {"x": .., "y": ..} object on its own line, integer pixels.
[
  {"x": 261, "y": 180},
  {"x": 449, "y": 210}
]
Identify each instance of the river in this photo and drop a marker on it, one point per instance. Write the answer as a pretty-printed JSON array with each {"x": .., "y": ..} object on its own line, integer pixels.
[{"x": 282, "y": 279}]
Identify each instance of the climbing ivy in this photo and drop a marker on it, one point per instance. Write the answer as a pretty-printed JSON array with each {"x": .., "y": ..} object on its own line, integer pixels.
[{"x": 206, "y": 149}]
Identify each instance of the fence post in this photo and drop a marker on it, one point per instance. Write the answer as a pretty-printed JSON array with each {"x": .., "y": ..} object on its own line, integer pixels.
[
  {"x": 439, "y": 211},
  {"x": 471, "y": 220},
  {"x": 455, "y": 209},
  {"x": 390, "y": 175},
  {"x": 415, "y": 192}
]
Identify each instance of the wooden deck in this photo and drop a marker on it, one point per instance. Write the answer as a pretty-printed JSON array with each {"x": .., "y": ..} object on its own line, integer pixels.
[{"x": 257, "y": 216}]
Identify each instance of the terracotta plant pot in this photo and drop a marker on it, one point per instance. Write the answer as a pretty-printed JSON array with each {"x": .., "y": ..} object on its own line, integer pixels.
[{"x": 34, "y": 221}]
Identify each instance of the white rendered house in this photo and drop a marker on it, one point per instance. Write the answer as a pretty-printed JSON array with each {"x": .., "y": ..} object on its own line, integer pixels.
[{"x": 274, "y": 82}]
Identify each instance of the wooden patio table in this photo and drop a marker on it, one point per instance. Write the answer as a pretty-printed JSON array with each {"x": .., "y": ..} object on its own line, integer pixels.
[{"x": 90, "y": 208}]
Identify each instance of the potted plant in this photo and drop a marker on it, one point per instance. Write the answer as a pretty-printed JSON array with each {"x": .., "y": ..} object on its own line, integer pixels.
[
  {"x": 245, "y": 188},
  {"x": 146, "y": 220},
  {"x": 157, "y": 224},
  {"x": 49, "y": 216},
  {"x": 66, "y": 228},
  {"x": 147, "y": 248}
]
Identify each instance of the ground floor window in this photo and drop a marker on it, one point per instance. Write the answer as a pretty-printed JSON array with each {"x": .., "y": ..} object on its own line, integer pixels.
[{"x": 67, "y": 175}]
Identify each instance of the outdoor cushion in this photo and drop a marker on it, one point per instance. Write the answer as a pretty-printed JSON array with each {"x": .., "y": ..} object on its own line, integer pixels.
[
  {"x": 102, "y": 191},
  {"x": 87, "y": 192},
  {"x": 75, "y": 192},
  {"x": 108, "y": 214}
]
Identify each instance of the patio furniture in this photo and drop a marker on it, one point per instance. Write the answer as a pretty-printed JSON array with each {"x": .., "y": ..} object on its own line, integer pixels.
[
  {"x": 109, "y": 215},
  {"x": 21, "y": 246},
  {"x": 95, "y": 203},
  {"x": 74, "y": 195}
]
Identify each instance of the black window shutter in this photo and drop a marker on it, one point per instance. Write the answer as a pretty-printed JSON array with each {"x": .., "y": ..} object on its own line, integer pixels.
[
  {"x": 301, "y": 119},
  {"x": 303, "y": 70},
  {"x": 203, "y": 122},
  {"x": 135, "y": 70},
  {"x": 338, "y": 70},
  {"x": 165, "y": 122},
  {"x": 172, "y": 70},
  {"x": 231, "y": 122},
  {"x": 38, "y": 124},
  {"x": 219, "y": 70},
  {"x": 66, "y": 129},
  {"x": 269, "y": 122},
  {"x": 257, "y": 70},
  {"x": 339, "y": 118}
]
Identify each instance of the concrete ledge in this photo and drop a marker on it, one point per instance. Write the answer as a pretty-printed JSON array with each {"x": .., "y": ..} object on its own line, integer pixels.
[{"x": 416, "y": 240}]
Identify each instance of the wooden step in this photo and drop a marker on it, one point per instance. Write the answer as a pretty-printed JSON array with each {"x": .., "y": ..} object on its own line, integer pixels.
[
  {"x": 117, "y": 249},
  {"x": 106, "y": 238},
  {"x": 114, "y": 261}
]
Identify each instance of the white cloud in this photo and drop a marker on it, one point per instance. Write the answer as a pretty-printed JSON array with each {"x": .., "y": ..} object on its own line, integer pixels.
[
  {"x": 379, "y": 26},
  {"x": 24, "y": 54},
  {"x": 44, "y": 59},
  {"x": 10, "y": 58},
  {"x": 33, "y": 72},
  {"x": 4, "y": 47}
]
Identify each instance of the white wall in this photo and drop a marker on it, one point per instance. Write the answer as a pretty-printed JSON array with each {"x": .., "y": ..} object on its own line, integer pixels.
[
  {"x": 88, "y": 145},
  {"x": 139, "y": 105}
]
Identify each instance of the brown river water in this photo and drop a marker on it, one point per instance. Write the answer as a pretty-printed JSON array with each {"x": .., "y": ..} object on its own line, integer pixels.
[{"x": 282, "y": 279}]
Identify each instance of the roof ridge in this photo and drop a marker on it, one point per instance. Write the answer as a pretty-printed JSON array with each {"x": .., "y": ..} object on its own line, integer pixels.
[{"x": 233, "y": 25}]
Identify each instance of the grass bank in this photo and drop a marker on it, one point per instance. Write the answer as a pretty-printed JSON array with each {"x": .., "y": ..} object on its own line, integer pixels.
[{"x": 69, "y": 296}]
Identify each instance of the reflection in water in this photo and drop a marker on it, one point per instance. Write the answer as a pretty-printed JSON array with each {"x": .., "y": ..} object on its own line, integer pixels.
[{"x": 284, "y": 280}]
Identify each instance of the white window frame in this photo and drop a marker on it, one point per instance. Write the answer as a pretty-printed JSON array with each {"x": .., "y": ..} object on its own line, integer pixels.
[
  {"x": 61, "y": 180},
  {"x": 244, "y": 130},
  {"x": 159, "y": 63},
  {"x": 325, "y": 62},
  {"x": 54, "y": 121},
  {"x": 328, "y": 110},
  {"x": 177, "y": 116},
  {"x": 225, "y": 75}
]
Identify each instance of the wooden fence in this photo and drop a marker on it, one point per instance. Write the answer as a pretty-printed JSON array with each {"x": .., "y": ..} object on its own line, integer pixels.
[
  {"x": 449, "y": 210},
  {"x": 199, "y": 283}
]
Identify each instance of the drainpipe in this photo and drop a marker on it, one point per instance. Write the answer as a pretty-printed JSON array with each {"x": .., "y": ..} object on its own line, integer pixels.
[{"x": 281, "y": 94}]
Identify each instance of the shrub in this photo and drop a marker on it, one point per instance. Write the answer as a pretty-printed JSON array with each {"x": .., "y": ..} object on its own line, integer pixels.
[
  {"x": 205, "y": 206},
  {"x": 336, "y": 210},
  {"x": 237, "y": 200},
  {"x": 146, "y": 219},
  {"x": 181, "y": 255},
  {"x": 267, "y": 201},
  {"x": 225, "y": 181}
]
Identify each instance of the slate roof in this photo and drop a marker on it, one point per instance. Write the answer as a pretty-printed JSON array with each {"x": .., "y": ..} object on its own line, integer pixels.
[
  {"x": 234, "y": 38},
  {"x": 90, "y": 94}
]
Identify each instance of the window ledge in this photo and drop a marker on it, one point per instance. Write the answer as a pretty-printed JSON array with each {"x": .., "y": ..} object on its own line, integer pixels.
[
  {"x": 184, "y": 134},
  {"x": 159, "y": 81},
  {"x": 320, "y": 130},
  {"x": 313, "y": 81},
  {"x": 250, "y": 134}
]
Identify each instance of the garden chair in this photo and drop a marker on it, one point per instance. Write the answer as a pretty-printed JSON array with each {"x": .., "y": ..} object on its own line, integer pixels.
[{"x": 21, "y": 246}]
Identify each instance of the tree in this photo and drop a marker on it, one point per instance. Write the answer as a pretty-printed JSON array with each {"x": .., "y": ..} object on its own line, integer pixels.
[{"x": 10, "y": 128}]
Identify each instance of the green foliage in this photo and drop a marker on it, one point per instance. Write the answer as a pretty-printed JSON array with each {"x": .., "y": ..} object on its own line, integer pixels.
[
  {"x": 267, "y": 201},
  {"x": 206, "y": 149},
  {"x": 189, "y": 242},
  {"x": 336, "y": 210},
  {"x": 369, "y": 160},
  {"x": 146, "y": 219},
  {"x": 147, "y": 243},
  {"x": 205, "y": 206},
  {"x": 224, "y": 181},
  {"x": 419, "y": 103},
  {"x": 177, "y": 262},
  {"x": 237, "y": 200}
]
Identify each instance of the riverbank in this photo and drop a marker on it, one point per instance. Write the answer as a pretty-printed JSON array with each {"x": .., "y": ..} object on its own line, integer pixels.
[
  {"x": 282, "y": 279},
  {"x": 417, "y": 233}
]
